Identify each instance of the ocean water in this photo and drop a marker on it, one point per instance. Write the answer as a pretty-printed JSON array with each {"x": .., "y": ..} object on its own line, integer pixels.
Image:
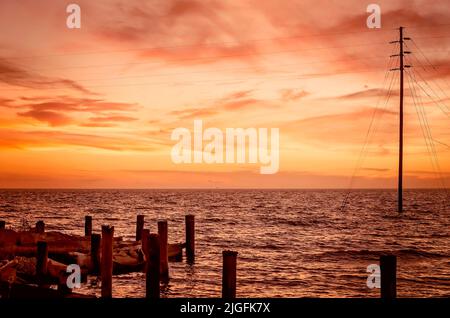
[{"x": 291, "y": 243}]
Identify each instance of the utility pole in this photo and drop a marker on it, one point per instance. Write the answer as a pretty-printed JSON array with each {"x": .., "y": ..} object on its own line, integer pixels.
[{"x": 400, "y": 148}]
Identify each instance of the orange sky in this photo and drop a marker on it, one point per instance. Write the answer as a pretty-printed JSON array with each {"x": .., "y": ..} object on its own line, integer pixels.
[{"x": 95, "y": 107}]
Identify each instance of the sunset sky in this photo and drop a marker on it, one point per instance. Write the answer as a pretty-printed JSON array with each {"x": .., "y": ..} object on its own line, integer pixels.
[{"x": 95, "y": 107}]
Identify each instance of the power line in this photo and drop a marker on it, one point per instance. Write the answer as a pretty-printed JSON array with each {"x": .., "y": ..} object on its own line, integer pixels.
[
  {"x": 432, "y": 99},
  {"x": 429, "y": 63},
  {"x": 415, "y": 96},
  {"x": 292, "y": 77},
  {"x": 442, "y": 143},
  {"x": 437, "y": 102},
  {"x": 420, "y": 109},
  {"x": 427, "y": 132},
  {"x": 362, "y": 154},
  {"x": 427, "y": 70},
  {"x": 433, "y": 37},
  {"x": 207, "y": 58},
  {"x": 426, "y": 26},
  {"x": 432, "y": 91},
  {"x": 220, "y": 70},
  {"x": 425, "y": 120},
  {"x": 439, "y": 99},
  {"x": 212, "y": 44},
  {"x": 223, "y": 44}
]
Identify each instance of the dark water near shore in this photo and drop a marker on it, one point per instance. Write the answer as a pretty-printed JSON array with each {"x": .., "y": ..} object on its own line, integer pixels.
[{"x": 291, "y": 243}]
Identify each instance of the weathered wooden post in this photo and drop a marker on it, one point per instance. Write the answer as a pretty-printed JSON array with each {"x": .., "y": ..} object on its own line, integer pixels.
[
  {"x": 139, "y": 227},
  {"x": 87, "y": 225},
  {"x": 41, "y": 262},
  {"x": 107, "y": 260},
  {"x": 95, "y": 253},
  {"x": 190, "y": 238},
  {"x": 152, "y": 273},
  {"x": 144, "y": 244},
  {"x": 163, "y": 250},
  {"x": 2, "y": 225},
  {"x": 40, "y": 227},
  {"x": 388, "y": 269},
  {"x": 229, "y": 274}
]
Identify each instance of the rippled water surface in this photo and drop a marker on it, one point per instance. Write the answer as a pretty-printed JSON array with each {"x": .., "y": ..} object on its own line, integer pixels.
[{"x": 291, "y": 243}]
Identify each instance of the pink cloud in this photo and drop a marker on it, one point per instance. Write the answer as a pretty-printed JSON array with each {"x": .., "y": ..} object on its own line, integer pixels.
[{"x": 50, "y": 117}]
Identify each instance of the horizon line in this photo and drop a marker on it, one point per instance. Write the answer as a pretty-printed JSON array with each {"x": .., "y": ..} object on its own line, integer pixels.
[{"x": 226, "y": 188}]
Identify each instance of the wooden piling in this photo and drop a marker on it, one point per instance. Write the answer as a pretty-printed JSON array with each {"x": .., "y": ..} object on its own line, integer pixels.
[
  {"x": 107, "y": 260},
  {"x": 190, "y": 238},
  {"x": 139, "y": 227},
  {"x": 2, "y": 225},
  {"x": 152, "y": 273},
  {"x": 87, "y": 225},
  {"x": 95, "y": 253},
  {"x": 163, "y": 250},
  {"x": 388, "y": 269},
  {"x": 229, "y": 274},
  {"x": 144, "y": 244},
  {"x": 41, "y": 261},
  {"x": 40, "y": 227}
]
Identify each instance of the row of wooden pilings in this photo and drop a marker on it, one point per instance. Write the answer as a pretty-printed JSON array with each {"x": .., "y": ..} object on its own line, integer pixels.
[{"x": 154, "y": 247}]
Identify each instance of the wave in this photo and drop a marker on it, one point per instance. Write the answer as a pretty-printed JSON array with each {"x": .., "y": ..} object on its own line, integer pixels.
[{"x": 402, "y": 253}]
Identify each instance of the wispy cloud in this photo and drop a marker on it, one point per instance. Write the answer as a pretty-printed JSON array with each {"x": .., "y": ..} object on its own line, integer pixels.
[
  {"x": 338, "y": 128},
  {"x": 14, "y": 75},
  {"x": 194, "y": 113},
  {"x": 368, "y": 93},
  {"x": 231, "y": 102},
  {"x": 288, "y": 95},
  {"x": 62, "y": 110},
  {"x": 50, "y": 117},
  {"x": 14, "y": 138},
  {"x": 112, "y": 119}
]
